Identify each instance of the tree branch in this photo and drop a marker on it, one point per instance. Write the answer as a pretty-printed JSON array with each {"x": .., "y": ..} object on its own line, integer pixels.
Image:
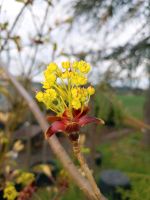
[
  {"x": 13, "y": 26},
  {"x": 85, "y": 168}
]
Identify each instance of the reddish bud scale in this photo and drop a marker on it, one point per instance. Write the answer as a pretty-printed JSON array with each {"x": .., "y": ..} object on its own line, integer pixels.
[{"x": 69, "y": 124}]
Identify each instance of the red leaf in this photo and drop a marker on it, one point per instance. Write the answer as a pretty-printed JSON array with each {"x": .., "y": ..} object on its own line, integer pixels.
[
  {"x": 79, "y": 113},
  {"x": 57, "y": 126},
  {"x": 86, "y": 120},
  {"x": 53, "y": 118}
]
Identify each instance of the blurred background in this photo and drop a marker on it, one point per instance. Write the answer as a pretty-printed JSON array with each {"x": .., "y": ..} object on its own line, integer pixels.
[{"x": 114, "y": 37}]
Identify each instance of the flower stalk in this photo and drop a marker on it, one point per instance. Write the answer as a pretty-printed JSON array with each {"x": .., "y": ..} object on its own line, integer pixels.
[{"x": 85, "y": 168}]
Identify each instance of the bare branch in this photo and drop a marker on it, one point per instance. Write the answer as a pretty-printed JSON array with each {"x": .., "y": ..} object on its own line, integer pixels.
[
  {"x": 13, "y": 26},
  {"x": 40, "y": 36}
]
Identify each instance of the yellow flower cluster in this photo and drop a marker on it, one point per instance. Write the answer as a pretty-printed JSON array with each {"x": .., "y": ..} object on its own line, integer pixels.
[
  {"x": 25, "y": 178},
  {"x": 63, "y": 88},
  {"x": 10, "y": 192}
]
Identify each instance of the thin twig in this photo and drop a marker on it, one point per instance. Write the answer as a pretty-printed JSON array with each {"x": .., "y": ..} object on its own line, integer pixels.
[
  {"x": 13, "y": 26},
  {"x": 40, "y": 36},
  {"x": 86, "y": 170},
  {"x": 33, "y": 18}
]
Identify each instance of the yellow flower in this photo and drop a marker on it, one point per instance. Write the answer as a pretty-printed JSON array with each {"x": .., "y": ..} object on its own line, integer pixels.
[
  {"x": 66, "y": 65},
  {"x": 91, "y": 90},
  {"x": 52, "y": 94},
  {"x": 39, "y": 96},
  {"x": 62, "y": 88},
  {"x": 48, "y": 97},
  {"x": 75, "y": 65},
  {"x": 52, "y": 67},
  {"x": 74, "y": 92},
  {"x": 10, "y": 192},
  {"x": 25, "y": 178},
  {"x": 58, "y": 72},
  {"x": 76, "y": 104},
  {"x": 66, "y": 74},
  {"x": 82, "y": 80},
  {"x": 84, "y": 67},
  {"x": 50, "y": 78},
  {"x": 78, "y": 79},
  {"x": 46, "y": 85},
  {"x": 84, "y": 96},
  {"x": 47, "y": 101}
]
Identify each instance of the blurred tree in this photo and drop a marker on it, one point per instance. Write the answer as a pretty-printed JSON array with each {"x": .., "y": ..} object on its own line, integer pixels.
[
  {"x": 27, "y": 45},
  {"x": 27, "y": 37},
  {"x": 118, "y": 39}
]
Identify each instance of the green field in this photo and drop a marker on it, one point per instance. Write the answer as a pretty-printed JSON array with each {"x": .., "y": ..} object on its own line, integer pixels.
[
  {"x": 131, "y": 157},
  {"x": 129, "y": 154},
  {"x": 134, "y": 104}
]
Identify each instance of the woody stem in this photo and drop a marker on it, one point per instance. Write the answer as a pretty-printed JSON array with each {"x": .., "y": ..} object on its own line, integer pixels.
[{"x": 86, "y": 170}]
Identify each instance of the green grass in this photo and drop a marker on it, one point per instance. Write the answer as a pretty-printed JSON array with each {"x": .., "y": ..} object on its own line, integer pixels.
[
  {"x": 127, "y": 154},
  {"x": 72, "y": 193},
  {"x": 140, "y": 187},
  {"x": 134, "y": 104},
  {"x": 43, "y": 194},
  {"x": 131, "y": 157}
]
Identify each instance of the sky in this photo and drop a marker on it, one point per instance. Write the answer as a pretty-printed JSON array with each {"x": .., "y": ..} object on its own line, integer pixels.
[{"x": 76, "y": 39}]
